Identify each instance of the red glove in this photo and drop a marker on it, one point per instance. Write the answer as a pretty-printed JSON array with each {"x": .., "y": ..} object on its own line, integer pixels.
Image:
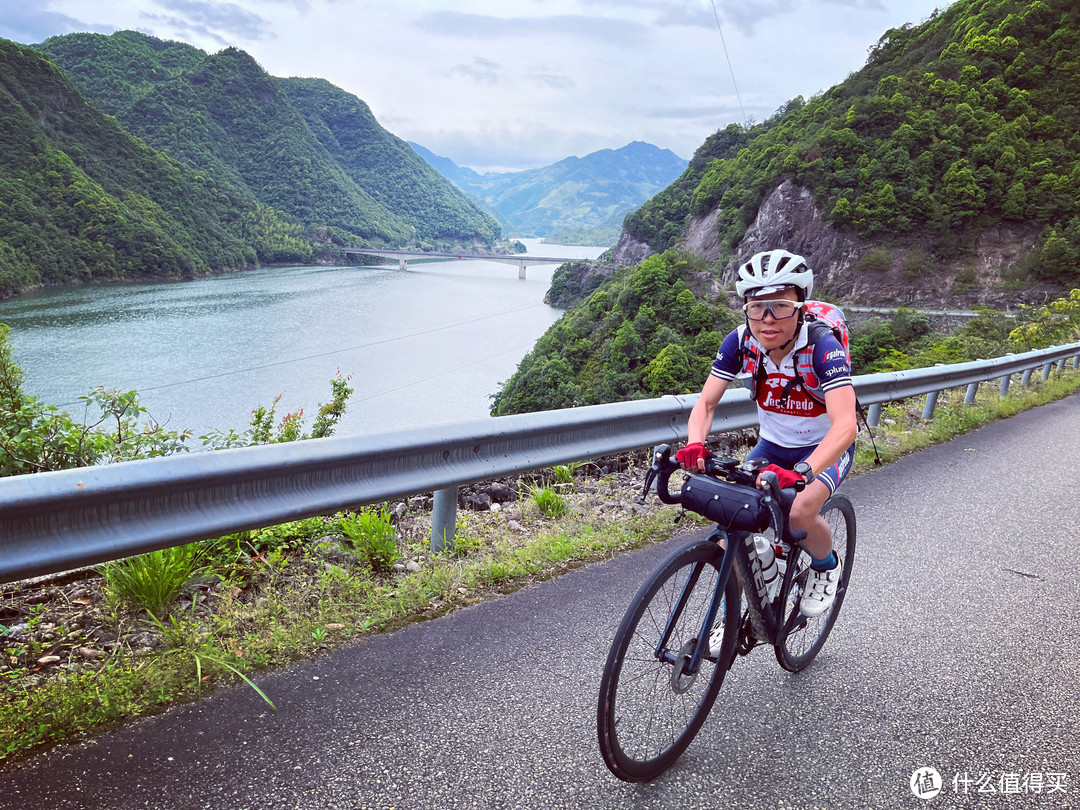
[
  {"x": 787, "y": 478},
  {"x": 690, "y": 454}
]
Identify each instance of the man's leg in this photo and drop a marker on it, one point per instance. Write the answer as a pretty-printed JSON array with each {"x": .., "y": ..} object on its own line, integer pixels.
[
  {"x": 823, "y": 579},
  {"x": 806, "y": 515}
]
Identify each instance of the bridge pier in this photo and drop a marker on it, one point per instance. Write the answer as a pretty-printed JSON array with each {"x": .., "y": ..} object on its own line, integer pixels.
[
  {"x": 521, "y": 271},
  {"x": 403, "y": 264}
]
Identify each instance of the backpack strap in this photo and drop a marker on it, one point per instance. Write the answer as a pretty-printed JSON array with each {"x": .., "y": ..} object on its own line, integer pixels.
[
  {"x": 743, "y": 355},
  {"x": 816, "y": 329}
]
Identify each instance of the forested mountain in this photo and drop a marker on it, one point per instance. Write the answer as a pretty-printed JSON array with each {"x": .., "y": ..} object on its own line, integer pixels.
[
  {"x": 589, "y": 195},
  {"x": 956, "y": 133},
  {"x": 302, "y": 146},
  {"x": 82, "y": 200},
  {"x": 461, "y": 176},
  {"x": 947, "y": 170},
  {"x": 387, "y": 168}
]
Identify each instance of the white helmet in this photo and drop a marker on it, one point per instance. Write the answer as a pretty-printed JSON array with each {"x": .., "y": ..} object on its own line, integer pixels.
[{"x": 774, "y": 270}]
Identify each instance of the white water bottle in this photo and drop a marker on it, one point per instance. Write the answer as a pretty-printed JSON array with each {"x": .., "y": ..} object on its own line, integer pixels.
[{"x": 770, "y": 572}]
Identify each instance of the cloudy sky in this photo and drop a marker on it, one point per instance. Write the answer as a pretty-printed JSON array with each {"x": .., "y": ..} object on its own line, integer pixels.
[{"x": 511, "y": 84}]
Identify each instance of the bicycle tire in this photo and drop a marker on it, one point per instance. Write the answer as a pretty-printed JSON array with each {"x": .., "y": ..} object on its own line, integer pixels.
[
  {"x": 646, "y": 717},
  {"x": 797, "y": 648}
]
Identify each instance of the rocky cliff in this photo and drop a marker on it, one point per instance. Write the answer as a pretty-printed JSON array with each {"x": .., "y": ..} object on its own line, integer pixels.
[{"x": 897, "y": 273}]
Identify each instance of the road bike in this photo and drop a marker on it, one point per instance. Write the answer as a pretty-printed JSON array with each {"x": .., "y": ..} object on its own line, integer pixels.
[{"x": 684, "y": 627}]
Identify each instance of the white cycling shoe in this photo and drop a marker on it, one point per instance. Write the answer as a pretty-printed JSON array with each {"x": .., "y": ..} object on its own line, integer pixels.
[{"x": 820, "y": 592}]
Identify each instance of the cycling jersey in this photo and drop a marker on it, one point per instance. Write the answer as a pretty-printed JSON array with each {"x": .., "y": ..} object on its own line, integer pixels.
[{"x": 790, "y": 415}]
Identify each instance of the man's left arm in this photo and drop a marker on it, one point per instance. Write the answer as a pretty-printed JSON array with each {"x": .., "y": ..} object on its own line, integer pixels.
[{"x": 843, "y": 427}]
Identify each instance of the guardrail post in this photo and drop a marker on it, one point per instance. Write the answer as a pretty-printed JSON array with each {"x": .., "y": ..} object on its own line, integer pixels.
[
  {"x": 1046, "y": 372},
  {"x": 444, "y": 519},
  {"x": 1005, "y": 384},
  {"x": 931, "y": 403},
  {"x": 1061, "y": 365},
  {"x": 1025, "y": 381},
  {"x": 874, "y": 416},
  {"x": 1076, "y": 363},
  {"x": 969, "y": 397}
]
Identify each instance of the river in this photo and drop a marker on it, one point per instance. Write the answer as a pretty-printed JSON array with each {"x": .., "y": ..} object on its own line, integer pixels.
[{"x": 424, "y": 346}]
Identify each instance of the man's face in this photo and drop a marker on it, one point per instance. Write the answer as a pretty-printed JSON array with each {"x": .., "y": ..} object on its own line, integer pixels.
[{"x": 772, "y": 333}]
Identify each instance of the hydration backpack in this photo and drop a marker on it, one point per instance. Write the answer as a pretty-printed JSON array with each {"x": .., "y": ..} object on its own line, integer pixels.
[{"x": 821, "y": 318}]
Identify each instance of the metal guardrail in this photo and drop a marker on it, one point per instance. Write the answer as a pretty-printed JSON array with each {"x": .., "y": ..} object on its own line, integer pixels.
[{"x": 57, "y": 521}]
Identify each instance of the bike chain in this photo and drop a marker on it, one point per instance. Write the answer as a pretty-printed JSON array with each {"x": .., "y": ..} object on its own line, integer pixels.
[{"x": 748, "y": 638}]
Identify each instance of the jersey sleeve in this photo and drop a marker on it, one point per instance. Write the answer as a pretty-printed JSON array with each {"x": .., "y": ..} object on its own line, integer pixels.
[
  {"x": 831, "y": 364},
  {"x": 726, "y": 365}
]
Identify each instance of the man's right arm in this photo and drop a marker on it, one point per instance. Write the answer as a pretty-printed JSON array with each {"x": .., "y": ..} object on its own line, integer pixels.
[
  {"x": 701, "y": 415},
  {"x": 724, "y": 368}
]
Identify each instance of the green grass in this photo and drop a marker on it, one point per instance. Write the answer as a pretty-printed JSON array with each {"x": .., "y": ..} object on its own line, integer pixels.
[
  {"x": 550, "y": 503},
  {"x": 151, "y": 581},
  {"x": 277, "y": 601}
]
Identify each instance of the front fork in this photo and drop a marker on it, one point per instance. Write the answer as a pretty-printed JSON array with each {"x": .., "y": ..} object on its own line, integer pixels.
[{"x": 663, "y": 653}]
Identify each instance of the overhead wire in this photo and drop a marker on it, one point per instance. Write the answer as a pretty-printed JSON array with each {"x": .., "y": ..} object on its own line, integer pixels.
[
  {"x": 423, "y": 380},
  {"x": 735, "y": 84}
]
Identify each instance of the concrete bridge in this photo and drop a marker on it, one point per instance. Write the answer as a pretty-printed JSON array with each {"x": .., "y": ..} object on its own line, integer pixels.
[{"x": 403, "y": 257}]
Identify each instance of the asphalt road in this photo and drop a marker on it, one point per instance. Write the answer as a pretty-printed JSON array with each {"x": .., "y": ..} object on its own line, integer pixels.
[{"x": 956, "y": 649}]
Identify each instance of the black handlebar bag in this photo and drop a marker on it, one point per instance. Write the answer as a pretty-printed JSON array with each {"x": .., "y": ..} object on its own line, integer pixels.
[{"x": 738, "y": 508}]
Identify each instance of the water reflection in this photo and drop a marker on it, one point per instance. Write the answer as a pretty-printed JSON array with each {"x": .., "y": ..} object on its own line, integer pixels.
[{"x": 423, "y": 346}]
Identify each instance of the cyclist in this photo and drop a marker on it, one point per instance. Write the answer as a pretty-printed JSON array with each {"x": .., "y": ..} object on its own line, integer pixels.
[{"x": 807, "y": 421}]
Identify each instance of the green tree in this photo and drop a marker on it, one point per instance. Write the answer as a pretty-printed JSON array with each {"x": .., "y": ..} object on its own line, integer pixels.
[
  {"x": 669, "y": 372},
  {"x": 1051, "y": 325}
]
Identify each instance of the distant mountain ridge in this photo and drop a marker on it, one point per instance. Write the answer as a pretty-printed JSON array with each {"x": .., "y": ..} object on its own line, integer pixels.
[
  {"x": 591, "y": 192},
  {"x": 302, "y": 146}
]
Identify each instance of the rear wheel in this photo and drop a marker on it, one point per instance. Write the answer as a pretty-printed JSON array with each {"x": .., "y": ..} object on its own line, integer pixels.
[
  {"x": 804, "y": 637},
  {"x": 650, "y": 708}
]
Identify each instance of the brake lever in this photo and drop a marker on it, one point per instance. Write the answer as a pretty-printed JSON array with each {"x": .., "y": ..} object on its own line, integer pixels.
[{"x": 650, "y": 478}]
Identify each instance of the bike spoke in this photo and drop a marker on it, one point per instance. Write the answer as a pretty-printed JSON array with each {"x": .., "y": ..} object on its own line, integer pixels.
[
  {"x": 807, "y": 635},
  {"x": 653, "y": 713}
]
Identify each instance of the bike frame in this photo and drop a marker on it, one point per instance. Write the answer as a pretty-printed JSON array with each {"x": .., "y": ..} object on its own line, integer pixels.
[
  {"x": 766, "y": 614},
  {"x": 702, "y": 646}
]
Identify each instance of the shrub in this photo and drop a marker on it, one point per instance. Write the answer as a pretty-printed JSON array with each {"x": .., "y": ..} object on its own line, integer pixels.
[
  {"x": 152, "y": 581},
  {"x": 875, "y": 261},
  {"x": 966, "y": 281},
  {"x": 916, "y": 265},
  {"x": 373, "y": 536}
]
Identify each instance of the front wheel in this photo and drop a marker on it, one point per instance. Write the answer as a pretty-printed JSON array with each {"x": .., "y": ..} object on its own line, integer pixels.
[
  {"x": 650, "y": 708},
  {"x": 801, "y": 638}
]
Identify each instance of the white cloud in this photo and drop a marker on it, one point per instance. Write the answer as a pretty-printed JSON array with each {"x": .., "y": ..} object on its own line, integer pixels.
[
  {"x": 26, "y": 23},
  {"x": 481, "y": 70},
  {"x": 222, "y": 20},
  {"x": 565, "y": 26},
  {"x": 542, "y": 77},
  {"x": 521, "y": 83}
]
